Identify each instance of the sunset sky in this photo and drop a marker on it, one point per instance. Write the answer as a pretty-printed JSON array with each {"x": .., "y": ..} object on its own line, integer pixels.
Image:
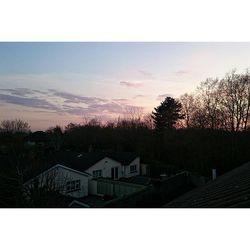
[{"x": 57, "y": 83}]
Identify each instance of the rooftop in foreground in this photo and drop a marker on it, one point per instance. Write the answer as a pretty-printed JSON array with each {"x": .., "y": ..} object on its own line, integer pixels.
[
  {"x": 229, "y": 190},
  {"x": 89, "y": 201}
]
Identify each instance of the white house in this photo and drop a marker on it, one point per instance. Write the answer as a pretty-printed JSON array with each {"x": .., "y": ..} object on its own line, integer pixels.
[{"x": 76, "y": 174}]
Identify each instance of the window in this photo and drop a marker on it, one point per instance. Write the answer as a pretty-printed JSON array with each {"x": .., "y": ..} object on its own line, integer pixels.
[
  {"x": 97, "y": 173},
  {"x": 133, "y": 169},
  {"x": 73, "y": 185},
  {"x": 68, "y": 187},
  {"x": 77, "y": 184},
  {"x": 114, "y": 173}
]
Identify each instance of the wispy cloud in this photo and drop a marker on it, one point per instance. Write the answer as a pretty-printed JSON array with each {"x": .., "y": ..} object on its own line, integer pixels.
[
  {"x": 131, "y": 84},
  {"x": 48, "y": 102},
  {"x": 28, "y": 102},
  {"x": 40, "y": 92},
  {"x": 111, "y": 107},
  {"x": 72, "y": 98},
  {"x": 140, "y": 96},
  {"x": 162, "y": 97},
  {"x": 99, "y": 110},
  {"x": 121, "y": 100},
  {"x": 146, "y": 73},
  {"x": 182, "y": 72},
  {"x": 18, "y": 91}
]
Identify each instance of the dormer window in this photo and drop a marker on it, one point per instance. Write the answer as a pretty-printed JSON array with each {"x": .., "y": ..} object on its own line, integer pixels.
[
  {"x": 97, "y": 173},
  {"x": 133, "y": 169}
]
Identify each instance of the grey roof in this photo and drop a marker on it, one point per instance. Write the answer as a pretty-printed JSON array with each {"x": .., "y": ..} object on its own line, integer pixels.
[
  {"x": 229, "y": 190},
  {"x": 79, "y": 161},
  {"x": 90, "y": 201},
  {"x": 83, "y": 161}
]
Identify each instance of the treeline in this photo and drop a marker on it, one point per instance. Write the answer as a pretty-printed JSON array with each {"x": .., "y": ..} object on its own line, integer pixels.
[
  {"x": 193, "y": 149},
  {"x": 196, "y": 132},
  {"x": 219, "y": 103}
]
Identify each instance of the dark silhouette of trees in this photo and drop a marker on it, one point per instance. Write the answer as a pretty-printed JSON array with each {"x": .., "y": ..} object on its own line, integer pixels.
[
  {"x": 148, "y": 121},
  {"x": 167, "y": 114},
  {"x": 209, "y": 98},
  {"x": 12, "y": 164},
  {"x": 15, "y": 126},
  {"x": 189, "y": 107},
  {"x": 219, "y": 103},
  {"x": 56, "y": 136},
  {"x": 133, "y": 113},
  {"x": 235, "y": 98}
]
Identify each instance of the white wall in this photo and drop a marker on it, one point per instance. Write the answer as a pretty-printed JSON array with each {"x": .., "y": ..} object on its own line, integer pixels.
[
  {"x": 136, "y": 162},
  {"x": 105, "y": 165},
  {"x": 62, "y": 175}
]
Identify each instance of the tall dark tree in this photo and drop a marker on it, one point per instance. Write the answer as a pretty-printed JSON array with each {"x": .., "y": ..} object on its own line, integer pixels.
[
  {"x": 167, "y": 114},
  {"x": 56, "y": 135}
]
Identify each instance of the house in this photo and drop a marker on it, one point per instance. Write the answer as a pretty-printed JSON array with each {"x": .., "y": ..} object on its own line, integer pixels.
[
  {"x": 231, "y": 189},
  {"x": 76, "y": 174}
]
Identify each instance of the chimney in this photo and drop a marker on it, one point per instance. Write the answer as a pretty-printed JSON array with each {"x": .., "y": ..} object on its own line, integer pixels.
[{"x": 214, "y": 175}]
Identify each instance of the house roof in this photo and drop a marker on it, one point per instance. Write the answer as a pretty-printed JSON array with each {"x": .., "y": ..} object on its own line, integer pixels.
[
  {"x": 229, "y": 190},
  {"x": 89, "y": 201},
  {"x": 76, "y": 161},
  {"x": 83, "y": 161},
  {"x": 125, "y": 158}
]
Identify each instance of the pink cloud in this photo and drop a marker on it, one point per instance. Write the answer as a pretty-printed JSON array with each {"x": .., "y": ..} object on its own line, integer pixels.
[{"x": 131, "y": 84}]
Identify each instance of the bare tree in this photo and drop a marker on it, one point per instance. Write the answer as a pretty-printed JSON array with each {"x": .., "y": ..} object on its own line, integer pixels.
[
  {"x": 235, "y": 93},
  {"x": 95, "y": 122},
  {"x": 246, "y": 83},
  {"x": 210, "y": 101},
  {"x": 219, "y": 104},
  {"x": 199, "y": 118},
  {"x": 188, "y": 108},
  {"x": 15, "y": 126},
  {"x": 148, "y": 121},
  {"x": 43, "y": 189},
  {"x": 134, "y": 113}
]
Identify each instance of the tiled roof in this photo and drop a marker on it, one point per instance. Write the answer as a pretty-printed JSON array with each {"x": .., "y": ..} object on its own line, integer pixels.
[
  {"x": 83, "y": 161},
  {"x": 77, "y": 161},
  {"x": 229, "y": 190},
  {"x": 90, "y": 201}
]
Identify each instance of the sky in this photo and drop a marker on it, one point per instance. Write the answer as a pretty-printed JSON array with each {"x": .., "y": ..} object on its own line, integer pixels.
[{"x": 55, "y": 83}]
